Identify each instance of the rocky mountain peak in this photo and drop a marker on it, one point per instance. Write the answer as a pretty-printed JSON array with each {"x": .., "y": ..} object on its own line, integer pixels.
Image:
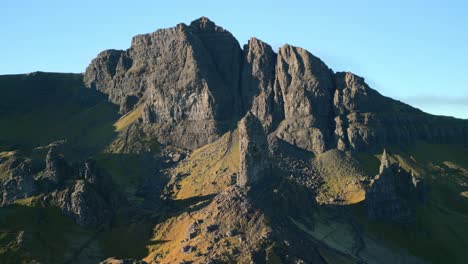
[
  {"x": 193, "y": 83},
  {"x": 204, "y": 24}
]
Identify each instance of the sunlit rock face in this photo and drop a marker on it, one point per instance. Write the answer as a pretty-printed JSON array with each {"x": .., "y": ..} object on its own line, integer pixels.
[{"x": 192, "y": 83}]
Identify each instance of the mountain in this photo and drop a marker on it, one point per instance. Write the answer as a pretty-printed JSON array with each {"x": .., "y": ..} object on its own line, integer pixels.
[{"x": 188, "y": 148}]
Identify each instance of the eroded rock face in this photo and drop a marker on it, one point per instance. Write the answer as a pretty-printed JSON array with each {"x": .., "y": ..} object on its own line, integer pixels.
[
  {"x": 82, "y": 203},
  {"x": 259, "y": 94},
  {"x": 57, "y": 169},
  {"x": 367, "y": 120},
  {"x": 307, "y": 88},
  {"x": 254, "y": 153},
  {"x": 102, "y": 182},
  {"x": 83, "y": 191},
  {"x": 19, "y": 183},
  {"x": 394, "y": 193},
  {"x": 122, "y": 261},
  {"x": 191, "y": 83},
  {"x": 186, "y": 77}
]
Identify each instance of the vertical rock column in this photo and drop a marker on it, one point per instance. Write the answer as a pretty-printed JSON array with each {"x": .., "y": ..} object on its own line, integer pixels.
[{"x": 253, "y": 145}]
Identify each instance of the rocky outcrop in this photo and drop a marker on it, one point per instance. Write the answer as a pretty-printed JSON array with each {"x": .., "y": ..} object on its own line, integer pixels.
[
  {"x": 122, "y": 261},
  {"x": 19, "y": 182},
  {"x": 367, "y": 120},
  {"x": 394, "y": 193},
  {"x": 82, "y": 203},
  {"x": 56, "y": 170},
  {"x": 83, "y": 191},
  {"x": 186, "y": 77},
  {"x": 307, "y": 89},
  {"x": 254, "y": 154},
  {"x": 102, "y": 182},
  {"x": 192, "y": 83},
  {"x": 259, "y": 94}
]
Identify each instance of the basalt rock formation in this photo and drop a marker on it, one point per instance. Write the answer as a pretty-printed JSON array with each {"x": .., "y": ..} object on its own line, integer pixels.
[
  {"x": 193, "y": 82},
  {"x": 91, "y": 196},
  {"x": 394, "y": 193},
  {"x": 185, "y": 77},
  {"x": 259, "y": 93},
  {"x": 19, "y": 183},
  {"x": 253, "y": 148},
  {"x": 57, "y": 170},
  {"x": 83, "y": 191}
]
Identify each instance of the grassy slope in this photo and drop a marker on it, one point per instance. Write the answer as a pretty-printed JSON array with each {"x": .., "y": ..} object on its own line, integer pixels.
[
  {"x": 40, "y": 108},
  {"x": 341, "y": 178},
  {"x": 208, "y": 170},
  {"x": 29, "y": 234},
  {"x": 440, "y": 234},
  {"x": 35, "y": 110},
  {"x": 56, "y": 106}
]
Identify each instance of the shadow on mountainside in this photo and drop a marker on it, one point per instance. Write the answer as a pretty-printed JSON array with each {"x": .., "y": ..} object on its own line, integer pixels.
[{"x": 40, "y": 108}]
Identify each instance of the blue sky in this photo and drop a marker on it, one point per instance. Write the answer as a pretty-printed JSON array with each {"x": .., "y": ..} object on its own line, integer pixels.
[{"x": 414, "y": 51}]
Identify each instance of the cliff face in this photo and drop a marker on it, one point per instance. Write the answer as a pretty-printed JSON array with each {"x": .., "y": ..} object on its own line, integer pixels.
[
  {"x": 186, "y": 77},
  {"x": 194, "y": 82}
]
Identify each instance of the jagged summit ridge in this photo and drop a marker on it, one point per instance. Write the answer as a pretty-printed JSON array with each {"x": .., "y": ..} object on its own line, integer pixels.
[{"x": 193, "y": 83}]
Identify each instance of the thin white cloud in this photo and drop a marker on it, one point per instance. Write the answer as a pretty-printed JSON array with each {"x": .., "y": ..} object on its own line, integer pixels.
[{"x": 431, "y": 100}]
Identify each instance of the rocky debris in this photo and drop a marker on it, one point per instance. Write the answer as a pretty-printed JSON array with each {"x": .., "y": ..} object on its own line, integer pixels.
[
  {"x": 259, "y": 94},
  {"x": 229, "y": 216},
  {"x": 394, "y": 193},
  {"x": 122, "y": 261},
  {"x": 170, "y": 155},
  {"x": 19, "y": 182},
  {"x": 307, "y": 90},
  {"x": 57, "y": 169},
  {"x": 254, "y": 152},
  {"x": 294, "y": 163}
]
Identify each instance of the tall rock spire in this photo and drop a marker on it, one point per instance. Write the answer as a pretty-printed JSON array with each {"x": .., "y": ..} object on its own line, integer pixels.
[
  {"x": 254, "y": 153},
  {"x": 393, "y": 196}
]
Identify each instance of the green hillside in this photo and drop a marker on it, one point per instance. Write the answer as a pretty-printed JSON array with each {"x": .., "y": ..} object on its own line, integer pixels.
[
  {"x": 39, "y": 108},
  {"x": 440, "y": 233}
]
